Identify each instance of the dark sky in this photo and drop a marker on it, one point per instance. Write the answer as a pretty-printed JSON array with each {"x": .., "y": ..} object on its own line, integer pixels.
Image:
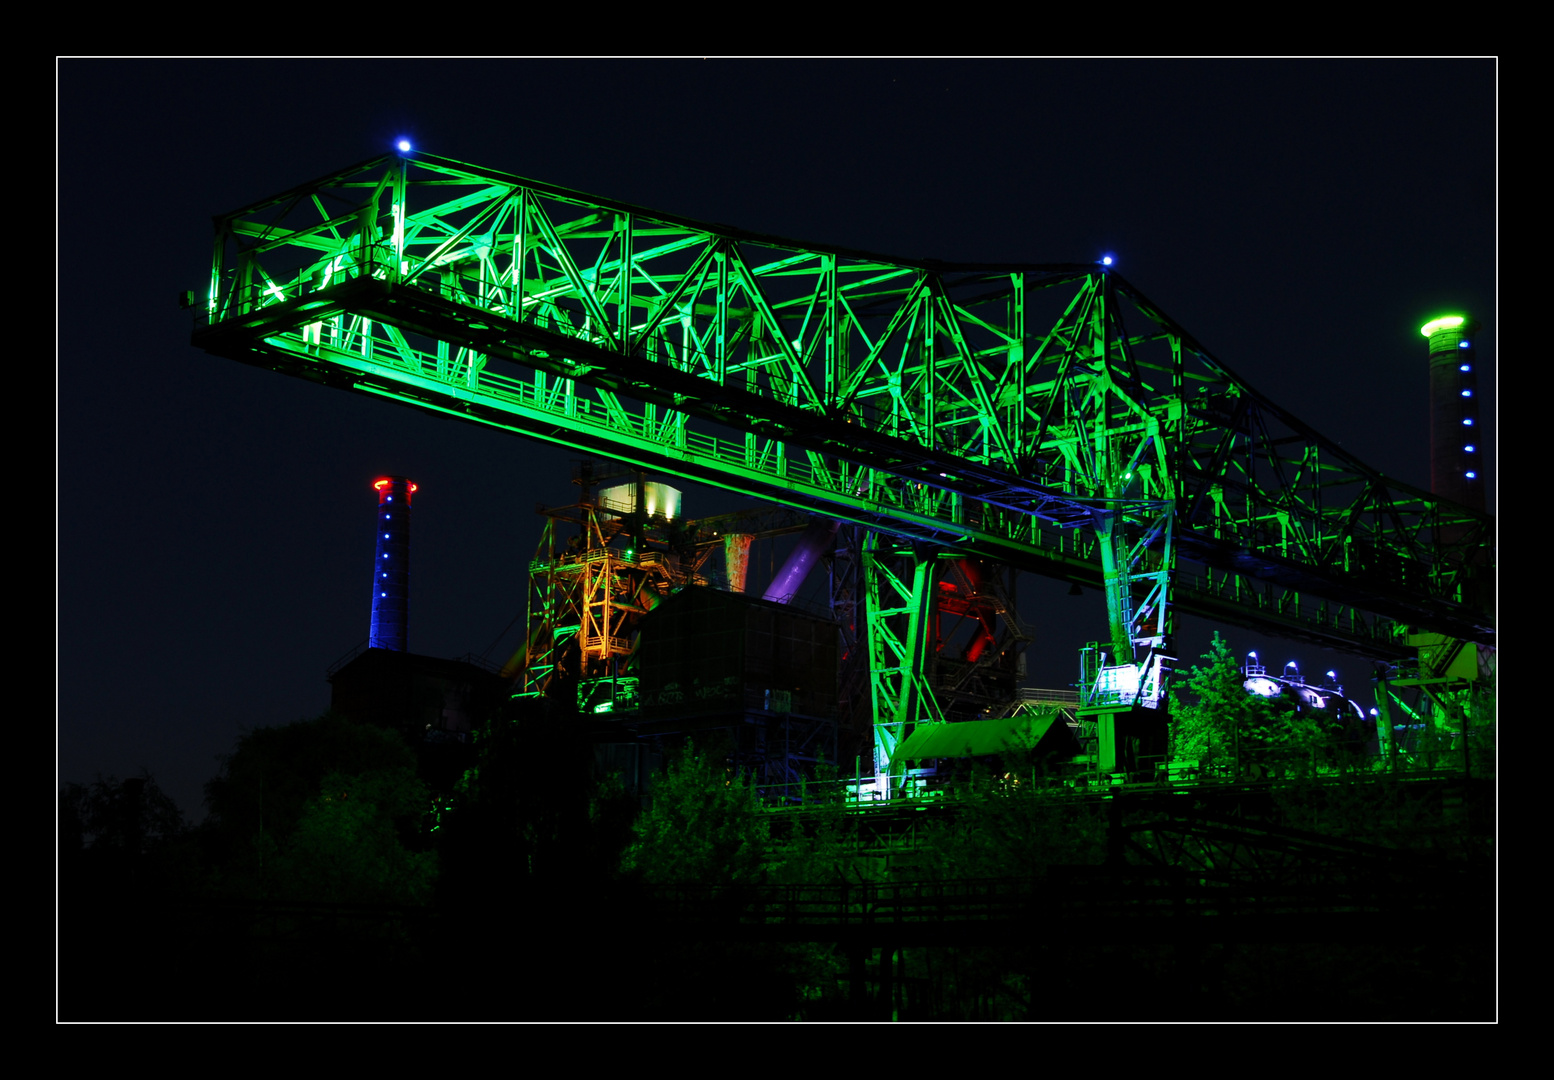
[{"x": 1300, "y": 218}]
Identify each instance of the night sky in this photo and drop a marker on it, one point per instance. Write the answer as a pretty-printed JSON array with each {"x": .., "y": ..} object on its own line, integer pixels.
[{"x": 214, "y": 521}]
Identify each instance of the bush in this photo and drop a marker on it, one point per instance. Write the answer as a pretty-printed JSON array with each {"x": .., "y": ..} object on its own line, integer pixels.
[{"x": 704, "y": 826}]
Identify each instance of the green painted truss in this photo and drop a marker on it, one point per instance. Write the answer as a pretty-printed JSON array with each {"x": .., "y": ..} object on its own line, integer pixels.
[{"x": 1046, "y": 416}]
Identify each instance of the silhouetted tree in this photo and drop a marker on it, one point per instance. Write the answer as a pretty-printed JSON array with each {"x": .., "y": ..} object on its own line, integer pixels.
[
  {"x": 525, "y": 814},
  {"x": 283, "y": 824},
  {"x": 125, "y": 858},
  {"x": 529, "y": 853},
  {"x": 131, "y": 815}
]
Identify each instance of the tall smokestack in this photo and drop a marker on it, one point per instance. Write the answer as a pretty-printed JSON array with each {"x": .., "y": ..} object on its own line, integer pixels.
[
  {"x": 391, "y": 565},
  {"x": 1456, "y": 452}
]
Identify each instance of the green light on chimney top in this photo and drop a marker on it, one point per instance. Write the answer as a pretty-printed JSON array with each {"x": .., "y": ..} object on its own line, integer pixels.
[{"x": 1445, "y": 322}]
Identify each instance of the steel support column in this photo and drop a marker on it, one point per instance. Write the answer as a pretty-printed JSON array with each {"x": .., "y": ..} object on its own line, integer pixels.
[{"x": 898, "y": 581}]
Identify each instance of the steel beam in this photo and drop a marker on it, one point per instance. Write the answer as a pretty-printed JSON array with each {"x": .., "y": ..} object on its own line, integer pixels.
[{"x": 998, "y": 410}]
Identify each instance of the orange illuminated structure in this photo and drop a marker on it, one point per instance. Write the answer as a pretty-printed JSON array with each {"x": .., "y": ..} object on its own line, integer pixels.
[{"x": 630, "y": 548}]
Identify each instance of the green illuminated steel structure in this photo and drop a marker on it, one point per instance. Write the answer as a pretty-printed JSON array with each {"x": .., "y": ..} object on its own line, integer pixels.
[{"x": 1048, "y": 417}]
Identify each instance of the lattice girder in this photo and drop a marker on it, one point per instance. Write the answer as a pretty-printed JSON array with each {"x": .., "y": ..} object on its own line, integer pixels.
[{"x": 988, "y": 409}]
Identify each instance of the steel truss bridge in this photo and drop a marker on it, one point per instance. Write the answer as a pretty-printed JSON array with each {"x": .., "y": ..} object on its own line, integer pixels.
[{"x": 1045, "y": 416}]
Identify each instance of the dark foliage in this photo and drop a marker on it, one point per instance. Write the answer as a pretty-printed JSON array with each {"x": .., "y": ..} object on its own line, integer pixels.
[
  {"x": 132, "y": 815},
  {"x": 270, "y": 778}
]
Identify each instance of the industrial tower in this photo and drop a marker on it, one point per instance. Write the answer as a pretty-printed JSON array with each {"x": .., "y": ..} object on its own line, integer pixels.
[{"x": 1045, "y": 417}]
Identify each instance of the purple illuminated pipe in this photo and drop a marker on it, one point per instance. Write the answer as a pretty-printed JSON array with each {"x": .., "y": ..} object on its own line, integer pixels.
[{"x": 785, "y": 586}]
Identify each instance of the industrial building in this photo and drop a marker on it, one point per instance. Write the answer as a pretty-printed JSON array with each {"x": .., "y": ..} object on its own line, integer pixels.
[{"x": 930, "y": 430}]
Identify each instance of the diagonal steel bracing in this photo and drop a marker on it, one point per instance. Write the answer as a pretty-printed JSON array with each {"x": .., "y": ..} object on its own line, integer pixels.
[
  {"x": 1046, "y": 416},
  {"x": 899, "y": 586}
]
